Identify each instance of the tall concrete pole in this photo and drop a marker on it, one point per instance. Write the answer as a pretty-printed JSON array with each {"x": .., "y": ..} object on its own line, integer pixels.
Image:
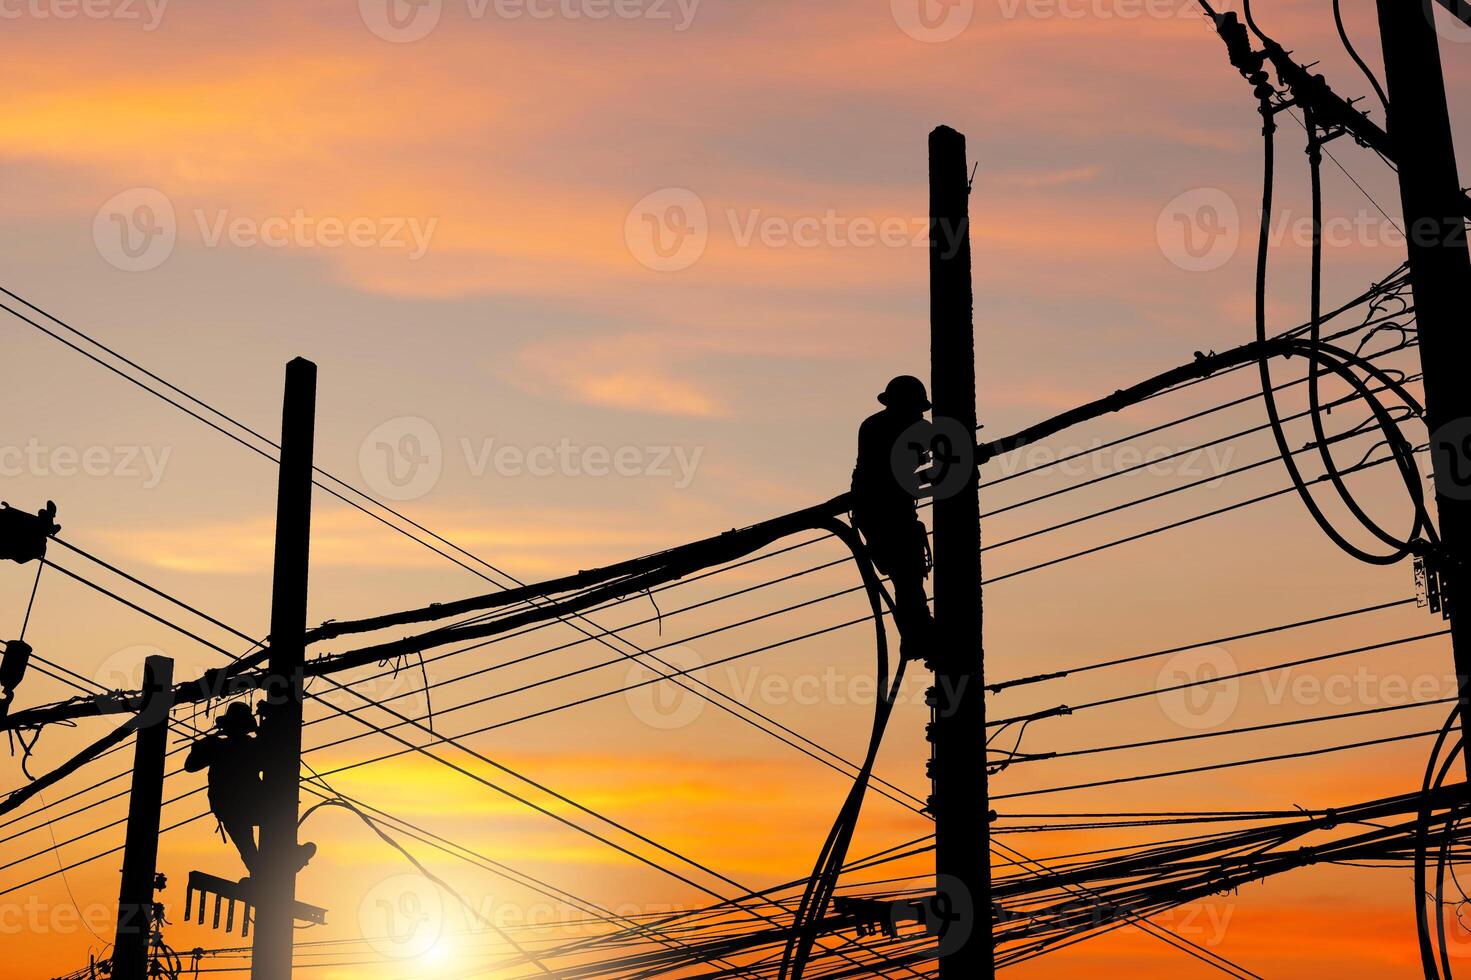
[
  {"x": 274, "y": 884},
  {"x": 1440, "y": 277},
  {"x": 960, "y": 803},
  {"x": 140, "y": 849}
]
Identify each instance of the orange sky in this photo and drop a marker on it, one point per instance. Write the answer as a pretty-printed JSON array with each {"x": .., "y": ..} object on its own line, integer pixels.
[{"x": 516, "y": 245}]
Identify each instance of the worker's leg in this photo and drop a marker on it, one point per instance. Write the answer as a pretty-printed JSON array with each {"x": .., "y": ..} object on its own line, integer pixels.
[
  {"x": 241, "y": 830},
  {"x": 912, "y": 616},
  {"x": 897, "y": 547},
  {"x": 912, "y": 607}
]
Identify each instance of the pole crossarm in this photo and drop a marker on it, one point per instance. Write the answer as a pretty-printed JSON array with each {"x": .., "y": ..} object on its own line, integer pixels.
[{"x": 1312, "y": 93}]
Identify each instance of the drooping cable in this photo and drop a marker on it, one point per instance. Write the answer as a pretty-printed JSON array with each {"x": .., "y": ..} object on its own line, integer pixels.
[
  {"x": 1353, "y": 52},
  {"x": 824, "y": 879},
  {"x": 1319, "y": 356}
]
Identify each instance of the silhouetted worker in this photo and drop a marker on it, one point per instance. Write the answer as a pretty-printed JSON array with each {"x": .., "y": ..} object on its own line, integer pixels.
[
  {"x": 885, "y": 511},
  {"x": 235, "y": 759}
]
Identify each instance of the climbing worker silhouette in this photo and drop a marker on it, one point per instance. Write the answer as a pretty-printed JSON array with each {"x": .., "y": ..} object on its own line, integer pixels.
[
  {"x": 235, "y": 758},
  {"x": 885, "y": 491}
]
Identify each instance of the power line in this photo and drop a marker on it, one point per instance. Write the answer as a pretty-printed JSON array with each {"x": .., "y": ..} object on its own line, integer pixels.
[
  {"x": 541, "y": 787},
  {"x": 1301, "y": 662},
  {"x": 382, "y": 730},
  {"x": 1260, "y": 760},
  {"x": 1223, "y": 732}
]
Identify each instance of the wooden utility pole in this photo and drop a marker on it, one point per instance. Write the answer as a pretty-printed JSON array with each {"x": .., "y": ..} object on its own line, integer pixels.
[
  {"x": 960, "y": 803},
  {"x": 1440, "y": 276},
  {"x": 140, "y": 850},
  {"x": 274, "y": 883}
]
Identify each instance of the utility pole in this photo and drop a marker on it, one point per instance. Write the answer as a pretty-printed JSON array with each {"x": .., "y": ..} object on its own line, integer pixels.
[
  {"x": 140, "y": 851},
  {"x": 960, "y": 800},
  {"x": 1440, "y": 276},
  {"x": 274, "y": 884}
]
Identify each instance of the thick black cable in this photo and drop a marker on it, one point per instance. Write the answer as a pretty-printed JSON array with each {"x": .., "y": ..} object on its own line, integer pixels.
[
  {"x": 1353, "y": 52},
  {"x": 832, "y": 858}
]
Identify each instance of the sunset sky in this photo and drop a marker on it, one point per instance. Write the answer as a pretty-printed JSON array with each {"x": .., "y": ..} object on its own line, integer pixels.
[{"x": 585, "y": 279}]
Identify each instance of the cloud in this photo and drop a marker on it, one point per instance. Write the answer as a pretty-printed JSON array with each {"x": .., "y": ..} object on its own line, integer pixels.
[
  {"x": 639, "y": 372},
  {"x": 530, "y": 540},
  {"x": 683, "y": 802}
]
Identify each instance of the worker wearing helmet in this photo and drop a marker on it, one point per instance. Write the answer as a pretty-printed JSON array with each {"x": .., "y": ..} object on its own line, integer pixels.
[
  {"x": 884, "y": 506},
  {"x": 235, "y": 760}
]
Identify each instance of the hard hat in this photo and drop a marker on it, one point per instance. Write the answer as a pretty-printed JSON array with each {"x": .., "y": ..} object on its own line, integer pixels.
[
  {"x": 905, "y": 391},
  {"x": 237, "y": 718}
]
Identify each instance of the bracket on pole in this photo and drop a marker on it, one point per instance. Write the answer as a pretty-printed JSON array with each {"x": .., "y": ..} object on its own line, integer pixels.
[
  {"x": 226, "y": 893},
  {"x": 871, "y": 916}
]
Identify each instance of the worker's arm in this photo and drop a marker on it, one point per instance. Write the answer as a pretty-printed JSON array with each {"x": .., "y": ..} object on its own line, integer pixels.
[{"x": 201, "y": 754}]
